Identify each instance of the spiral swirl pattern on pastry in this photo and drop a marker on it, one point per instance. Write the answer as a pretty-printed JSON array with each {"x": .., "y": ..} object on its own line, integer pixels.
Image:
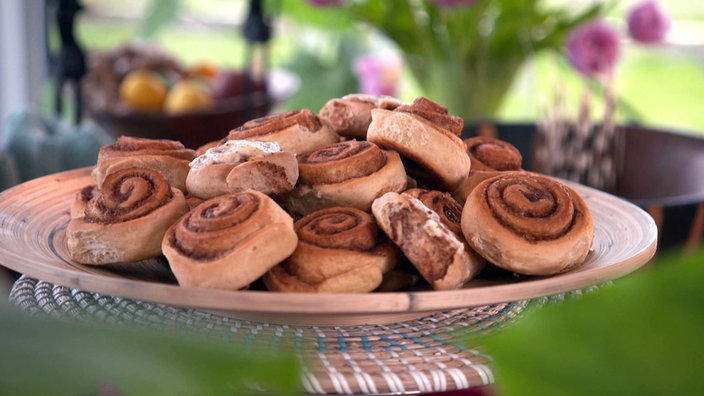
[
  {"x": 491, "y": 154},
  {"x": 211, "y": 229},
  {"x": 523, "y": 204},
  {"x": 528, "y": 223},
  {"x": 489, "y": 157},
  {"x": 229, "y": 241},
  {"x": 125, "y": 219},
  {"x": 169, "y": 157},
  {"x": 338, "y": 228},
  {"x": 128, "y": 194},
  {"x": 351, "y": 173},
  {"x": 339, "y": 249},
  {"x": 341, "y": 161}
]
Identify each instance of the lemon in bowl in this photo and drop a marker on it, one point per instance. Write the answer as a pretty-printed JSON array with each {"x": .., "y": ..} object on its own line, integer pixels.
[
  {"x": 143, "y": 90},
  {"x": 188, "y": 96}
]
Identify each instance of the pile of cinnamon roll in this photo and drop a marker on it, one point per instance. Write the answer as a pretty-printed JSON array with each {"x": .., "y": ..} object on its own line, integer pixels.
[{"x": 369, "y": 194}]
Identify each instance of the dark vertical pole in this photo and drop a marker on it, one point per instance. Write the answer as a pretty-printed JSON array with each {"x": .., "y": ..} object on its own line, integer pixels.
[{"x": 257, "y": 33}]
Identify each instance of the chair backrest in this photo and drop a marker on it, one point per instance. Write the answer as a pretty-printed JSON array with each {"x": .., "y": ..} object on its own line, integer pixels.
[{"x": 661, "y": 167}]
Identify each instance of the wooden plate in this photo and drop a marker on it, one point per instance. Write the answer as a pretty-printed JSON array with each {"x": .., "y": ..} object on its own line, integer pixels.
[{"x": 33, "y": 217}]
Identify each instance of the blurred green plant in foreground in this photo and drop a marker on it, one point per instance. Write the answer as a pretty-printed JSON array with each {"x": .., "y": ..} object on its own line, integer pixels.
[
  {"x": 641, "y": 336},
  {"x": 53, "y": 357}
]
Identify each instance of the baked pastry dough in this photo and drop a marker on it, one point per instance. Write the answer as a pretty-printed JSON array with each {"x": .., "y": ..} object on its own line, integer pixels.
[
  {"x": 340, "y": 250},
  {"x": 350, "y": 115},
  {"x": 489, "y": 157},
  {"x": 125, "y": 220},
  {"x": 169, "y": 157},
  {"x": 427, "y": 137},
  {"x": 239, "y": 165},
  {"x": 296, "y": 131},
  {"x": 229, "y": 241},
  {"x": 450, "y": 213},
  {"x": 528, "y": 223},
  {"x": 442, "y": 203},
  {"x": 81, "y": 199},
  {"x": 437, "y": 253},
  {"x": 351, "y": 173}
]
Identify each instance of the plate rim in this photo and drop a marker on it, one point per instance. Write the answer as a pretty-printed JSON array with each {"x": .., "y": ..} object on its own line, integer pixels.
[{"x": 280, "y": 303}]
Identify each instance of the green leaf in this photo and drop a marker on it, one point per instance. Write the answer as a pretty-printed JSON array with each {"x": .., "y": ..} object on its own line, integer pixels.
[
  {"x": 323, "y": 78},
  {"x": 641, "y": 336},
  {"x": 43, "y": 357},
  {"x": 330, "y": 18}
]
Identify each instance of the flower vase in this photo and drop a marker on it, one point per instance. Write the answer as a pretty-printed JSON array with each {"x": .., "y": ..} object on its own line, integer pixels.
[{"x": 472, "y": 89}]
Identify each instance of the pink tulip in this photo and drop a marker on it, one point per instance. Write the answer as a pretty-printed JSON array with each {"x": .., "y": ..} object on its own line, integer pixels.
[
  {"x": 378, "y": 75},
  {"x": 593, "y": 48},
  {"x": 648, "y": 23}
]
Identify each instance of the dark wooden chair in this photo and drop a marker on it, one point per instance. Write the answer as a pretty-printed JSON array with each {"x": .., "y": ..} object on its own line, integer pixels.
[{"x": 662, "y": 172}]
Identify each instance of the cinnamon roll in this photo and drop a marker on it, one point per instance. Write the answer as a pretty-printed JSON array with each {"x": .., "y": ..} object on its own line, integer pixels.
[
  {"x": 350, "y": 115},
  {"x": 81, "y": 199},
  {"x": 489, "y": 157},
  {"x": 450, "y": 213},
  {"x": 296, "y": 131},
  {"x": 125, "y": 220},
  {"x": 528, "y": 223},
  {"x": 442, "y": 203},
  {"x": 169, "y": 157},
  {"x": 426, "y": 136},
  {"x": 435, "y": 251},
  {"x": 239, "y": 165},
  {"x": 351, "y": 173},
  {"x": 229, "y": 241},
  {"x": 340, "y": 250}
]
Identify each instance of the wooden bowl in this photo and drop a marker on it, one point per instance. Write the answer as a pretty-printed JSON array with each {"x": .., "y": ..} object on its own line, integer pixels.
[
  {"x": 193, "y": 129},
  {"x": 34, "y": 242},
  {"x": 197, "y": 128}
]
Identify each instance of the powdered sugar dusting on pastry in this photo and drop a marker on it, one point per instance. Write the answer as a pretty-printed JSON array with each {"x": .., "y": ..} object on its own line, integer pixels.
[{"x": 234, "y": 151}]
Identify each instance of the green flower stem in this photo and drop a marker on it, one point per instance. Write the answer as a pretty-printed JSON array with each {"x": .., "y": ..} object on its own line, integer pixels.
[{"x": 472, "y": 90}]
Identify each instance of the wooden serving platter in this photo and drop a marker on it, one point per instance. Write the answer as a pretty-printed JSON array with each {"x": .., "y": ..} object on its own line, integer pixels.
[{"x": 33, "y": 217}]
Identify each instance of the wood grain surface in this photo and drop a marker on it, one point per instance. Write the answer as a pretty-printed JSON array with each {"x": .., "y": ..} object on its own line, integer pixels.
[{"x": 33, "y": 216}]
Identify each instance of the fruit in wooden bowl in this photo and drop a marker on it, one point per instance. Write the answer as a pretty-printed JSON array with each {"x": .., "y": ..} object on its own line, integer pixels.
[{"x": 139, "y": 90}]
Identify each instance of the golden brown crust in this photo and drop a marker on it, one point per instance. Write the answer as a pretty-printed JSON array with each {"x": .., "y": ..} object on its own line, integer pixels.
[
  {"x": 489, "y": 157},
  {"x": 229, "y": 241},
  {"x": 296, "y": 131},
  {"x": 351, "y": 173},
  {"x": 339, "y": 250},
  {"x": 528, "y": 223},
  {"x": 240, "y": 165},
  {"x": 424, "y": 140},
  {"x": 350, "y": 115},
  {"x": 439, "y": 256},
  {"x": 169, "y": 157},
  {"x": 81, "y": 199},
  {"x": 492, "y": 154},
  {"x": 125, "y": 220},
  {"x": 434, "y": 113},
  {"x": 442, "y": 203}
]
